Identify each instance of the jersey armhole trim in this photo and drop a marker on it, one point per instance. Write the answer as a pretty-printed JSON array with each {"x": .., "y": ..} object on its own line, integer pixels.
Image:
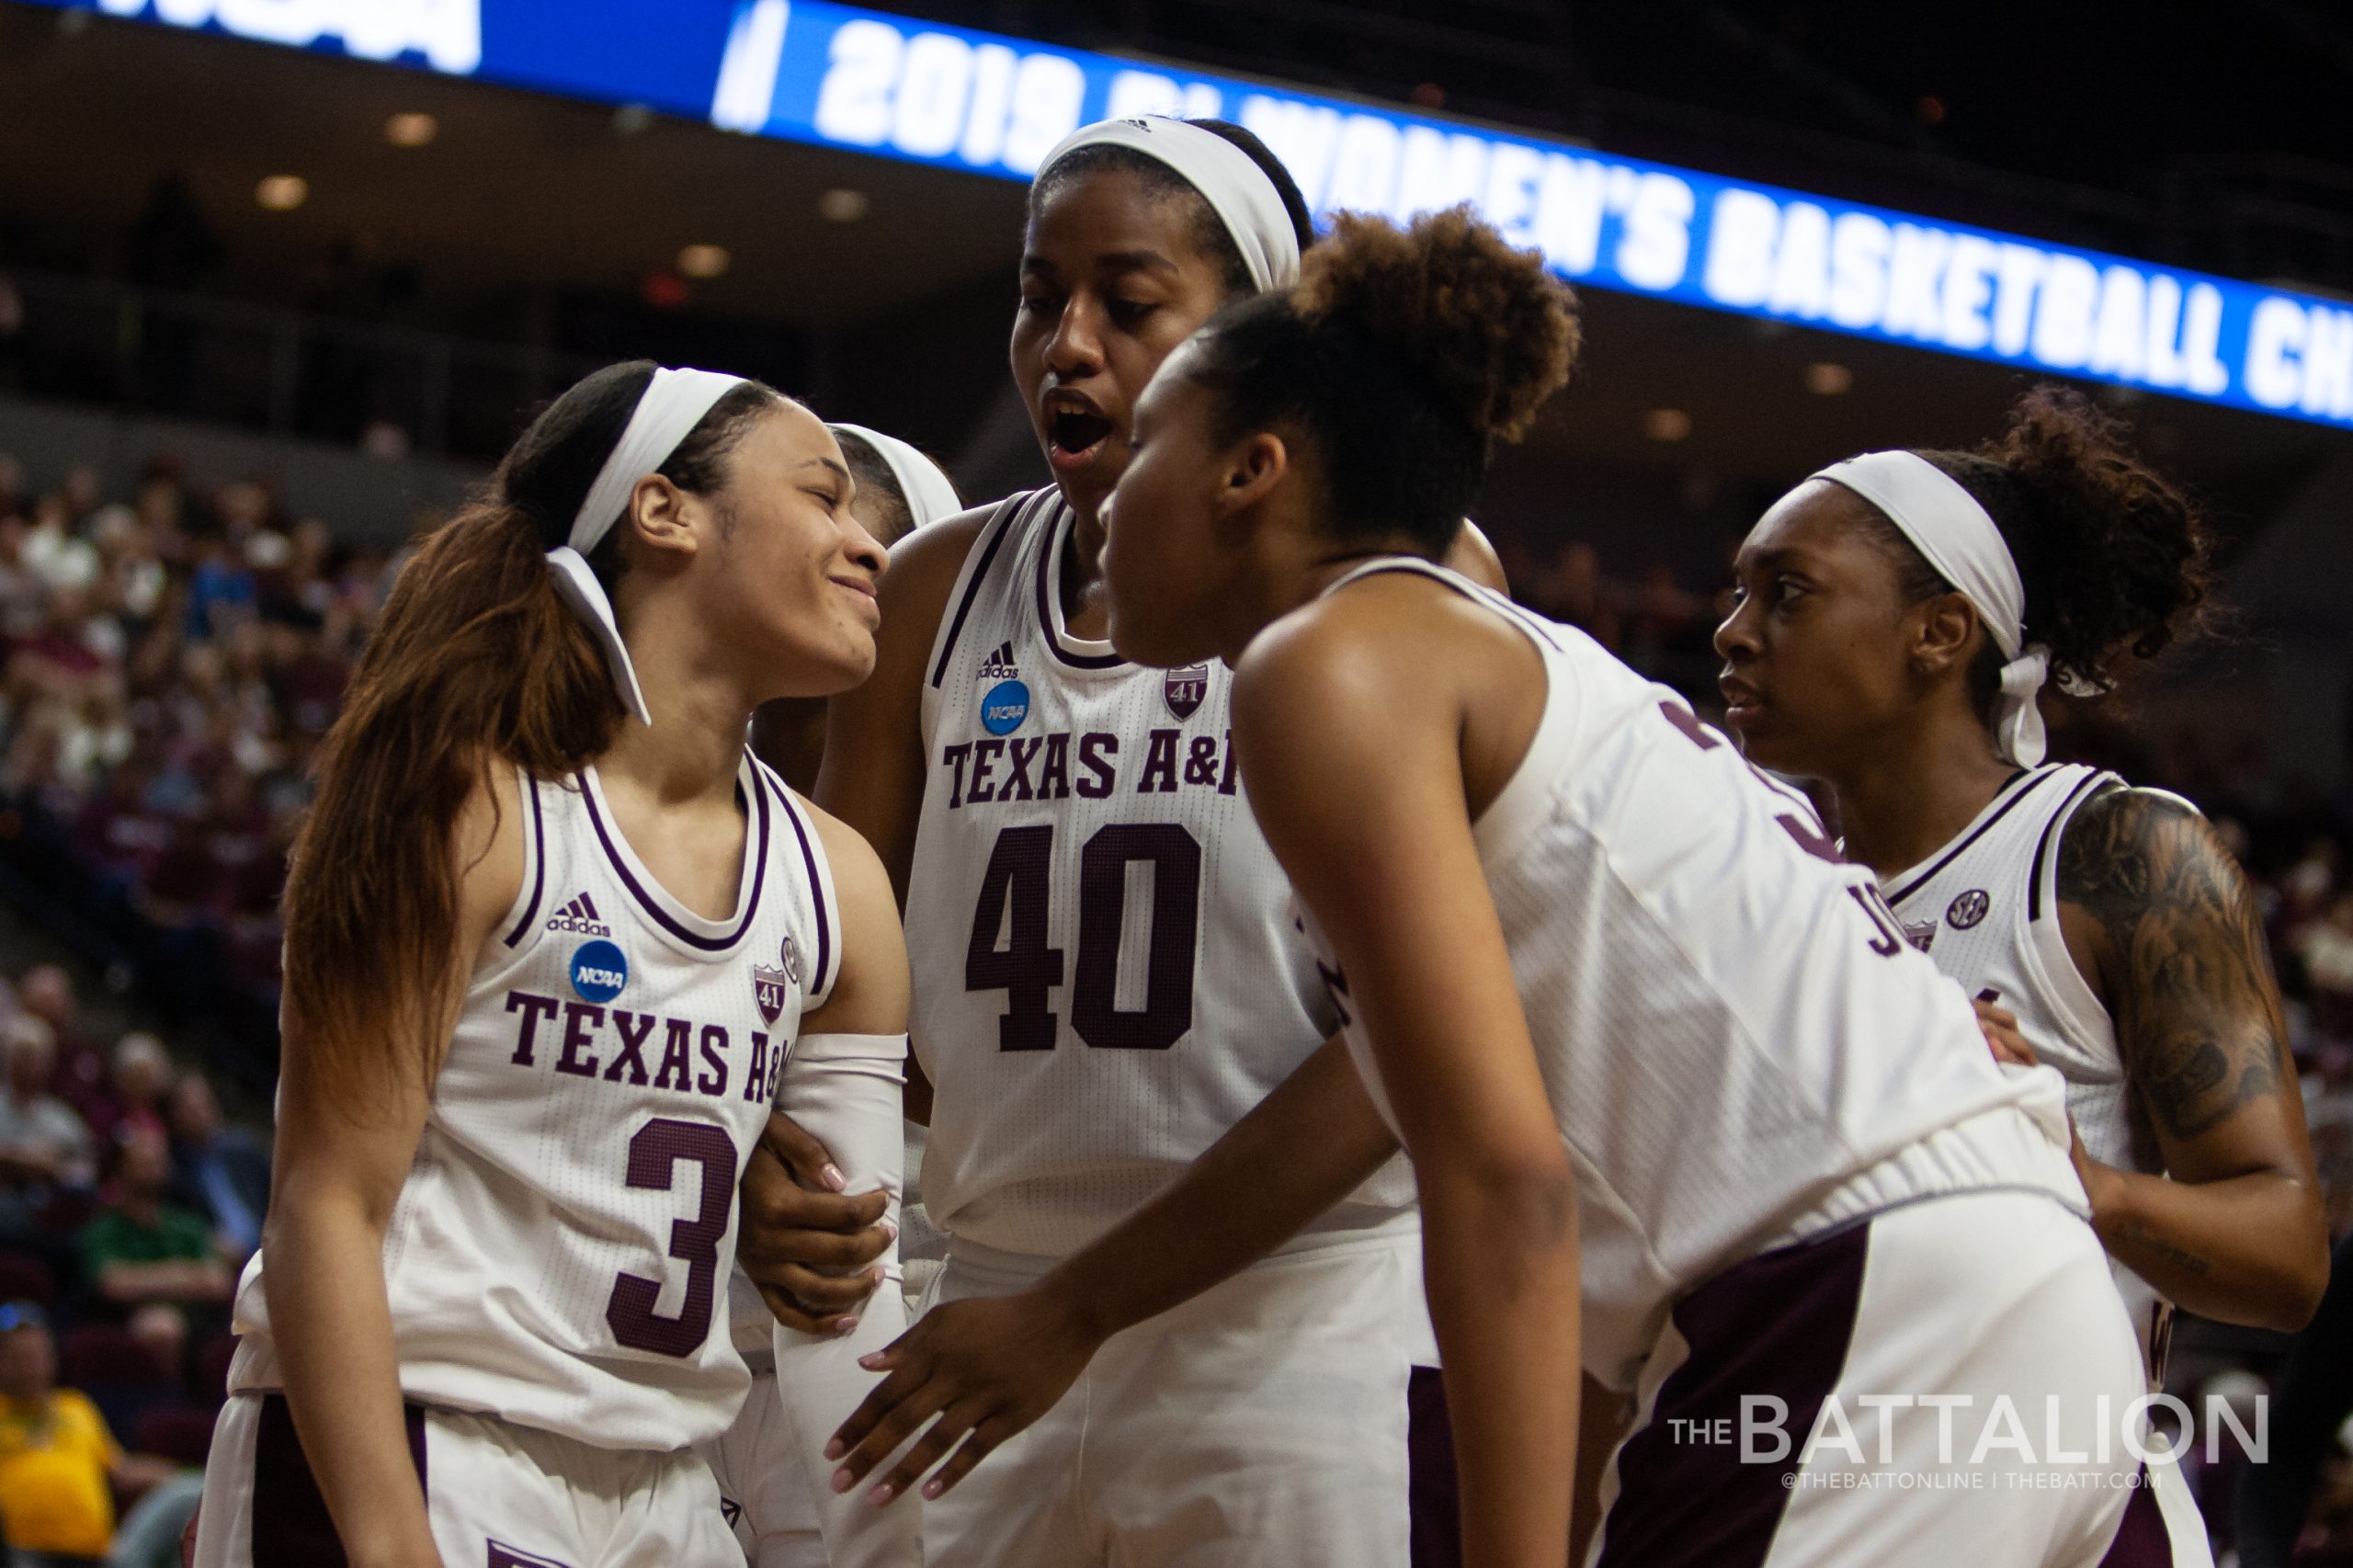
[
  {"x": 968, "y": 583},
  {"x": 2049, "y": 962},
  {"x": 535, "y": 856},
  {"x": 2052, "y": 830},
  {"x": 827, "y": 965}
]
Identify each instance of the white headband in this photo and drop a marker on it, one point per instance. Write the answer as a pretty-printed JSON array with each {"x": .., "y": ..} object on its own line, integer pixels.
[
  {"x": 1948, "y": 527},
  {"x": 929, "y": 494},
  {"x": 1229, "y": 180},
  {"x": 672, "y": 403}
]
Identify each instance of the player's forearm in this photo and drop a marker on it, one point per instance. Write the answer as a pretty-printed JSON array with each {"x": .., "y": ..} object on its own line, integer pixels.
[
  {"x": 2249, "y": 1249},
  {"x": 331, "y": 1324},
  {"x": 1500, "y": 1262},
  {"x": 1304, "y": 1148},
  {"x": 844, "y": 1090}
]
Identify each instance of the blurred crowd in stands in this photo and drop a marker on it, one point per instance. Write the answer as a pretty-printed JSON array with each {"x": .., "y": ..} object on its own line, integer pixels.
[
  {"x": 168, "y": 660},
  {"x": 127, "y": 1205}
]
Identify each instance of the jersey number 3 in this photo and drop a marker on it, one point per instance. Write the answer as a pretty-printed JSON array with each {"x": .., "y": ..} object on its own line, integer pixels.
[
  {"x": 654, "y": 1154},
  {"x": 1015, "y": 901}
]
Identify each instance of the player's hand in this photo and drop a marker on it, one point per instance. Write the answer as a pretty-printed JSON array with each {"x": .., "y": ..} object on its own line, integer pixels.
[
  {"x": 806, "y": 1244},
  {"x": 2000, "y": 1027},
  {"x": 987, "y": 1368}
]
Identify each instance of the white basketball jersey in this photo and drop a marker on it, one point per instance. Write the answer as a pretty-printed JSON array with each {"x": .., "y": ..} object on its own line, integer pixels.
[
  {"x": 1740, "y": 1048},
  {"x": 1106, "y": 973},
  {"x": 1985, "y": 908},
  {"x": 561, "y": 1249}
]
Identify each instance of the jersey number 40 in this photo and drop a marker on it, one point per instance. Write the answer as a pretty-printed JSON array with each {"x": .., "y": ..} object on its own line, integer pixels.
[{"x": 1016, "y": 898}]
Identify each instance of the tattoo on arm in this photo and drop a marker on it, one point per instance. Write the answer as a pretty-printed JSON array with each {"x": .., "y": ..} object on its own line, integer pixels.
[
  {"x": 2188, "y": 1262},
  {"x": 2190, "y": 973}
]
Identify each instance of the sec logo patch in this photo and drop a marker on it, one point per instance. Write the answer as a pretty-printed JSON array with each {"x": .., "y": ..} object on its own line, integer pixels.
[
  {"x": 599, "y": 971},
  {"x": 1006, "y": 704},
  {"x": 1968, "y": 909}
]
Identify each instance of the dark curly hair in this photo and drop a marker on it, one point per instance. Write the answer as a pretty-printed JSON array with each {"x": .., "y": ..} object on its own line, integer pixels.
[
  {"x": 2114, "y": 559},
  {"x": 1401, "y": 355},
  {"x": 1209, "y": 230}
]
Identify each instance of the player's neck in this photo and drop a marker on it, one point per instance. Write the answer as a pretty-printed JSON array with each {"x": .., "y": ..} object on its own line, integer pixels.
[
  {"x": 1079, "y": 575},
  {"x": 691, "y": 751},
  {"x": 1907, "y": 801}
]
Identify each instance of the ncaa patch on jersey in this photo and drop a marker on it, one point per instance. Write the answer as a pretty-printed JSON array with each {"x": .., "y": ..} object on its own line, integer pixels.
[
  {"x": 600, "y": 970},
  {"x": 1968, "y": 909},
  {"x": 1184, "y": 689},
  {"x": 1006, "y": 704}
]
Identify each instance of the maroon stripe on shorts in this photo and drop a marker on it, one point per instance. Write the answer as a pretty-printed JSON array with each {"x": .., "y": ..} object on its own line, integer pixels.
[
  {"x": 1436, "y": 1498},
  {"x": 292, "y": 1526},
  {"x": 2142, "y": 1540},
  {"x": 1780, "y": 1324}
]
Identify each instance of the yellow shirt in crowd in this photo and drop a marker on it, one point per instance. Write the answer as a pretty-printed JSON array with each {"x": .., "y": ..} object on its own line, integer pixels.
[{"x": 54, "y": 1458}]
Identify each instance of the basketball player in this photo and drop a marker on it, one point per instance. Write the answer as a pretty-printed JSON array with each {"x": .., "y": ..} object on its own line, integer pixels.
[
  {"x": 760, "y": 1464},
  {"x": 1536, "y": 880},
  {"x": 1898, "y": 613},
  {"x": 551, "y": 936},
  {"x": 899, "y": 490},
  {"x": 1107, "y": 975}
]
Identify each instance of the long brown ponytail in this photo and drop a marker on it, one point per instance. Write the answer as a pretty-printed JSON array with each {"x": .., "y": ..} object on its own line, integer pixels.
[{"x": 475, "y": 661}]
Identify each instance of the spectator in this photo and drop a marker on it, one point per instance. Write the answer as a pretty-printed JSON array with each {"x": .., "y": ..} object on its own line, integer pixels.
[
  {"x": 44, "y": 1146},
  {"x": 2325, "y": 947},
  {"x": 1578, "y": 595},
  {"x": 60, "y": 1468},
  {"x": 47, "y": 991},
  {"x": 217, "y": 1171},
  {"x": 152, "y": 1260},
  {"x": 56, "y": 553},
  {"x": 142, "y": 1077},
  {"x": 23, "y": 594},
  {"x": 220, "y": 591}
]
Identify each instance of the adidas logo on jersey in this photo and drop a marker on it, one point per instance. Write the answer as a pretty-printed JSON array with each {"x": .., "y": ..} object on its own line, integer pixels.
[
  {"x": 999, "y": 665},
  {"x": 579, "y": 918}
]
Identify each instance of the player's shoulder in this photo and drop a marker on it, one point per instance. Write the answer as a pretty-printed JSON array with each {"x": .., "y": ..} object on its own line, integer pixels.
[
  {"x": 2125, "y": 840},
  {"x": 486, "y": 842},
  {"x": 873, "y": 968},
  {"x": 1388, "y": 653},
  {"x": 2116, "y": 812},
  {"x": 856, "y": 870},
  {"x": 926, "y": 566},
  {"x": 1394, "y": 633},
  {"x": 943, "y": 544},
  {"x": 931, "y": 558}
]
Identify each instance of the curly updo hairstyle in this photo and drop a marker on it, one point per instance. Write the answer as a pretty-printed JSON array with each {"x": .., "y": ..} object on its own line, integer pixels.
[
  {"x": 1401, "y": 356},
  {"x": 2114, "y": 560}
]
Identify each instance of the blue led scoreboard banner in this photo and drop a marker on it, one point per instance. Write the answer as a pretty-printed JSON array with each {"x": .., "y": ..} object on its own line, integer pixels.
[{"x": 838, "y": 76}]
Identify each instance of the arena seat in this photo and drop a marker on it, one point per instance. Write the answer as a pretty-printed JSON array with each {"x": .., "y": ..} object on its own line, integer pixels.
[
  {"x": 23, "y": 1277},
  {"x": 121, "y": 1375},
  {"x": 212, "y": 1368},
  {"x": 179, "y": 1433}
]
